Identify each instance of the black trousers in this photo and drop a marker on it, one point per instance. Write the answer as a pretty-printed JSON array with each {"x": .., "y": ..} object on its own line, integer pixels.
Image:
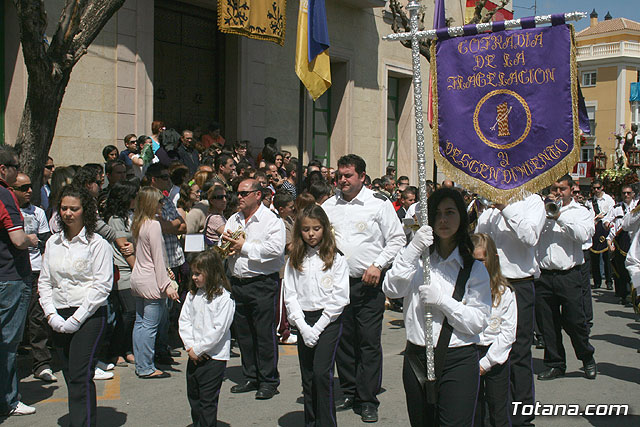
[
  {"x": 359, "y": 356},
  {"x": 204, "y": 381},
  {"x": 587, "y": 302},
  {"x": 521, "y": 373},
  {"x": 122, "y": 339},
  {"x": 559, "y": 305},
  {"x": 595, "y": 268},
  {"x": 457, "y": 389},
  {"x": 622, "y": 279},
  {"x": 78, "y": 355},
  {"x": 493, "y": 399},
  {"x": 316, "y": 369},
  {"x": 38, "y": 330},
  {"x": 255, "y": 325}
]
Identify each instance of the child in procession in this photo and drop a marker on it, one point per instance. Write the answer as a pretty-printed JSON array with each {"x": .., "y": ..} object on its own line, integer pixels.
[
  {"x": 204, "y": 326},
  {"x": 316, "y": 290}
]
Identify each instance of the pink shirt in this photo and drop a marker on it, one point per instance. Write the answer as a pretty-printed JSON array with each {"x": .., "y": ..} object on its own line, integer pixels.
[{"x": 149, "y": 278}]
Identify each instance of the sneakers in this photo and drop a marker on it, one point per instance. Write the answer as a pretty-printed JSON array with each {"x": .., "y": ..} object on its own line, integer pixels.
[
  {"x": 23, "y": 409},
  {"x": 102, "y": 375},
  {"x": 46, "y": 375},
  {"x": 105, "y": 366}
]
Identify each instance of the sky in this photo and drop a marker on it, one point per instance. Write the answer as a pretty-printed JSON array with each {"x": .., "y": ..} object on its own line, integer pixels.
[{"x": 618, "y": 9}]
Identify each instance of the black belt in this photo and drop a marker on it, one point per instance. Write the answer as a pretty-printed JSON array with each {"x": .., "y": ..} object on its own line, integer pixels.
[
  {"x": 520, "y": 280},
  {"x": 258, "y": 278},
  {"x": 575, "y": 267}
]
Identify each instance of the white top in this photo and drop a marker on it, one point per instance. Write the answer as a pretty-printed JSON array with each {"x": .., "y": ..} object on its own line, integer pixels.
[
  {"x": 467, "y": 317},
  {"x": 263, "y": 249},
  {"x": 589, "y": 243},
  {"x": 500, "y": 333},
  {"x": 35, "y": 222},
  {"x": 632, "y": 262},
  {"x": 314, "y": 289},
  {"x": 605, "y": 203},
  {"x": 204, "y": 326},
  {"x": 174, "y": 195},
  {"x": 615, "y": 217},
  {"x": 75, "y": 273},
  {"x": 561, "y": 241},
  {"x": 631, "y": 222},
  {"x": 367, "y": 230},
  {"x": 516, "y": 231}
]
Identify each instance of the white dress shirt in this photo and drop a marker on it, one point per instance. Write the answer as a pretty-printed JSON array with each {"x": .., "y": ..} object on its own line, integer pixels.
[
  {"x": 263, "y": 249},
  {"x": 205, "y": 326},
  {"x": 631, "y": 222},
  {"x": 632, "y": 262},
  {"x": 605, "y": 203},
  {"x": 35, "y": 222},
  {"x": 500, "y": 333},
  {"x": 313, "y": 289},
  {"x": 367, "y": 230},
  {"x": 75, "y": 273},
  {"x": 467, "y": 317},
  {"x": 516, "y": 231},
  {"x": 561, "y": 241},
  {"x": 614, "y": 218},
  {"x": 589, "y": 243}
]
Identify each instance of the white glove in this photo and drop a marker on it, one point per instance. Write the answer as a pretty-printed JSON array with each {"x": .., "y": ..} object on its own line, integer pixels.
[
  {"x": 57, "y": 323},
  {"x": 321, "y": 324},
  {"x": 423, "y": 238},
  {"x": 309, "y": 335},
  {"x": 71, "y": 325},
  {"x": 431, "y": 294}
]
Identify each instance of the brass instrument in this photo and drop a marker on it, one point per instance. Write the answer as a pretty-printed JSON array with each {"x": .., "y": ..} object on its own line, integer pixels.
[
  {"x": 225, "y": 248},
  {"x": 552, "y": 207}
]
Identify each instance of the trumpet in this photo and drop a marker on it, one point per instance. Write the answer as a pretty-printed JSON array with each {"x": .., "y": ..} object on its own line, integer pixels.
[
  {"x": 225, "y": 248},
  {"x": 552, "y": 207}
]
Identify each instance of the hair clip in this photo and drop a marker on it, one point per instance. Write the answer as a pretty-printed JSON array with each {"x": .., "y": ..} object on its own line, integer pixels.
[{"x": 193, "y": 181}]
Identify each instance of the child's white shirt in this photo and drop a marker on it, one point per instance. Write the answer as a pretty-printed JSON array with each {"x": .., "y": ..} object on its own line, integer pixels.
[
  {"x": 205, "y": 325},
  {"x": 500, "y": 333}
]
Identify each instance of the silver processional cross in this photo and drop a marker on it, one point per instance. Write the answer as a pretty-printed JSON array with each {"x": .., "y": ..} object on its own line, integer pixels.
[{"x": 415, "y": 36}]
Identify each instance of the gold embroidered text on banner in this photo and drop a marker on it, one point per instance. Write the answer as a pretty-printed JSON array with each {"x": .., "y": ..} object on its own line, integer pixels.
[{"x": 256, "y": 19}]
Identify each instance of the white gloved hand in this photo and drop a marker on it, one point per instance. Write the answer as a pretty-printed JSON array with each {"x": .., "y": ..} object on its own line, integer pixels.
[
  {"x": 71, "y": 325},
  {"x": 309, "y": 335},
  {"x": 57, "y": 323},
  {"x": 423, "y": 238},
  {"x": 431, "y": 294}
]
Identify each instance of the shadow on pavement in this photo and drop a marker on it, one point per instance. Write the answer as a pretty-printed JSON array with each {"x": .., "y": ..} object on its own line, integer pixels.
[
  {"x": 234, "y": 374},
  {"x": 629, "y": 342},
  {"x": 624, "y": 314},
  {"x": 292, "y": 419},
  {"x": 33, "y": 392},
  {"x": 613, "y": 421},
  {"x": 623, "y": 373},
  {"x": 107, "y": 417}
]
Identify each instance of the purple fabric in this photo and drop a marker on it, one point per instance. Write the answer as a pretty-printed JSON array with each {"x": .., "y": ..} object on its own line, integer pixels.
[
  {"x": 505, "y": 120},
  {"x": 439, "y": 20},
  {"x": 557, "y": 19},
  {"x": 497, "y": 26},
  {"x": 442, "y": 34},
  {"x": 528, "y": 22},
  {"x": 470, "y": 30}
]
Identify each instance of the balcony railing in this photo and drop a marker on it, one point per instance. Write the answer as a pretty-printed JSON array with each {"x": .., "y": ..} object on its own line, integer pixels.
[{"x": 604, "y": 50}]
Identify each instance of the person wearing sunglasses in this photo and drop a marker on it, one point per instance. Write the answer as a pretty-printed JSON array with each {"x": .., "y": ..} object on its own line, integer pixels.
[
  {"x": 619, "y": 241},
  {"x": 600, "y": 204},
  {"x": 45, "y": 190},
  {"x": 215, "y": 221},
  {"x": 35, "y": 222},
  {"x": 256, "y": 257}
]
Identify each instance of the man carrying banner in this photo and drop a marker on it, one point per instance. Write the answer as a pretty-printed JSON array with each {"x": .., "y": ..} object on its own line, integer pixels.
[{"x": 516, "y": 228}]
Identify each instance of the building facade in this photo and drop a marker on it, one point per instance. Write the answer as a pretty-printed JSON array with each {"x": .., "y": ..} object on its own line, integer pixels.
[{"x": 608, "y": 66}]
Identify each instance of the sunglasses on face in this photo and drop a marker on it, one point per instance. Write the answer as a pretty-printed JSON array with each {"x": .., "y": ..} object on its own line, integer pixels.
[
  {"x": 627, "y": 192},
  {"x": 50, "y": 167},
  {"x": 246, "y": 193},
  {"x": 23, "y": 188},
  {"x": 219, "y": 197},
  {"x": 596, "y": 188},
  {"x": 12, "y": 165},
  {"x": 576, "y": 192}
]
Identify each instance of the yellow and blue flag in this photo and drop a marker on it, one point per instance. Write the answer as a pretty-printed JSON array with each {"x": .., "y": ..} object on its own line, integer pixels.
[{"x": 313, "y": 65}]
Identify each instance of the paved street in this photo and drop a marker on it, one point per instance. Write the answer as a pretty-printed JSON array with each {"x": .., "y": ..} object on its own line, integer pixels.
[{"x": 129, "y": 401}]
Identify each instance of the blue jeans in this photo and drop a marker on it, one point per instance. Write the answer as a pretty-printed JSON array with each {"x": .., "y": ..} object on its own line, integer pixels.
[
  {"x": 14, "y": 303},
  {"x": 149, "y": 314}
]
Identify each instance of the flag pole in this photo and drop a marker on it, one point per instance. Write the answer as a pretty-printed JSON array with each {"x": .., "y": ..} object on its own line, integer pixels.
[{"x": 413, "y": 7}]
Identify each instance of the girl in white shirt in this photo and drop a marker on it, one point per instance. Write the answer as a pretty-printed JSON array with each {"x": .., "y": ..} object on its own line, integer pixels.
[
  {"x": 204, "y": 326},
  {"x": 463, "y": 312},
  {"x": 316, "y": 290},
  {"x": 74, "y": 283},
  {"x": 496, "y": 340}
]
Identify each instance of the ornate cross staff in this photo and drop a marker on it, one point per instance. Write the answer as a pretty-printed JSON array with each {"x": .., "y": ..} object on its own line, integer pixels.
[{"x": 414, "y": 35}]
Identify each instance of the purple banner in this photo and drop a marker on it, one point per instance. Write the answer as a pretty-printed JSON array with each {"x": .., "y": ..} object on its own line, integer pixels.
[{"x": 506, "y": 109}]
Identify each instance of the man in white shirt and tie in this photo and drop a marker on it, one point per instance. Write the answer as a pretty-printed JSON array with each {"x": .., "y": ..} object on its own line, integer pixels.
[
  {"x": 559, "y": 288},
  {"x": 516, "y": 229},
  {"x": 369, "y": 235},
  {"x": 254, "y": 263},
  {"x": 601, "y": 203}
]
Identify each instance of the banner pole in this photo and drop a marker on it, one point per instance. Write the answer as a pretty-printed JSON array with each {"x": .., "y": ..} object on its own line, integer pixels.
[{"x": 413, "y": 7}]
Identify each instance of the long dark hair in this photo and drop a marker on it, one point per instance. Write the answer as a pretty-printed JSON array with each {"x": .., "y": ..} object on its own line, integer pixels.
[
  {"x": 327, "y": 245},
  {"x": 210, "y": 264},
  {"x": 119, "y": 201},
  {"x": 89, "y": 209},
  {"x": 463, "y": 240}
]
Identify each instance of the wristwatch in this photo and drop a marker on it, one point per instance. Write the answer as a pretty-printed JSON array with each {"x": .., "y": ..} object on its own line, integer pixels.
[{"x": 378, "y": 266}]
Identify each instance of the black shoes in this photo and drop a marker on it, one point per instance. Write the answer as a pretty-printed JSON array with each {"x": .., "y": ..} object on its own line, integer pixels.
[
  {"x": 346, "y": 404},
  {"x": 244, "y": 388},
  {"x": 551, "y": 374},
  {"x": 609, "y": 286},
  {"x": 590, "y": 369},
  {"x": 369, "y": 413},
  {"x": 266, "y": 392}
]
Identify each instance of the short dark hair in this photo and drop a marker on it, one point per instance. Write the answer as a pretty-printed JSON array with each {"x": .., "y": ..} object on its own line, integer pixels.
[
  {"x": 567, "y": 178},
  {"x": 291, "y": 166},
  {"x": 403, "y": 178},
  {"x": 318, "y": 189},
  {"x": 127, "y": 139},
  {"x": 409, "y": 190},
  {"x": 155, "y": 170},
  {"x": 221, "y": 160},
  {"x": 7, "y": 154},
  {"x": 282, "y": 199},
  {"x": 108, "y": 149},
  {"x": 108, "y": 167},
  {"x": 86, "y": 175},
  {"x": 353, "y": 160},
  {"x": 596, "y": 181}
]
